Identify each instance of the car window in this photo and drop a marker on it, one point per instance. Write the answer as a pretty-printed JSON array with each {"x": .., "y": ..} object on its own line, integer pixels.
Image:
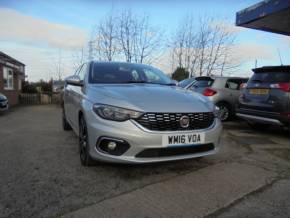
[
  {"x": 127, "y": 73},
  {"x": 271, "y": 77},
  {"x": 202, "y": 83},
  {"x": 151, "y": 76},
  {"x": 233, "y": 84},
  {"x": 244, "y": 80},
  {"x": 185, "y": 82},
  {"x": 135, "y": 75}
]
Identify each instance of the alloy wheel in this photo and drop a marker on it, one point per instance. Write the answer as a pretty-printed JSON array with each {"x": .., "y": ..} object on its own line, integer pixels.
[
  {"x": 224, "y": 112},
  {"x": 83, "y": 136}
]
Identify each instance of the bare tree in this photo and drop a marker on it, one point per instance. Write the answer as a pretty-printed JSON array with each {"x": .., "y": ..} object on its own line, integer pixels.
[
  {"x": 183, "y": 45},
  {"x": 127, "y": 30},
  {"x": 203, "y": 47},
  {"x": 108, "y": 41},
  {"x": 127, "y": 36},
  {"x": 106, "y": 45},
  {"x": 79, "y": 57},
  {"x": 147, "y": 41},
  {"x": 57, "y": 66}
]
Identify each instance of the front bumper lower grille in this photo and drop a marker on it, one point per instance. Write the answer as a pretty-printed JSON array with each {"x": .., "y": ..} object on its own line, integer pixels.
[
  {"x": 3, "y": 104},
  {"x": 175, "y": 151},
  {"x": 171, "y": 121}
]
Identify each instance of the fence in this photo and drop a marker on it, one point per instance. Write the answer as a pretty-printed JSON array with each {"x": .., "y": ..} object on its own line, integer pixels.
[{"x": 40, "y": 98}]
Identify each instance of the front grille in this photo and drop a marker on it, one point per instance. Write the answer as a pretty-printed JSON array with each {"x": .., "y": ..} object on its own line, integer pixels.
[
  {"x": 171, "y": 121},
  {"x": 175, "y": 151},
  {"x": 3, "y": 104}
]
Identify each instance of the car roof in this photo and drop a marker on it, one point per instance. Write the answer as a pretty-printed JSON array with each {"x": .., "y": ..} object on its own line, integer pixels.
[
  {"x": 221, "y": 77},
  {"x": 117, "y": 63},
  {"x": 282, "y": 68},
  {"x": 191, "y": 78}
]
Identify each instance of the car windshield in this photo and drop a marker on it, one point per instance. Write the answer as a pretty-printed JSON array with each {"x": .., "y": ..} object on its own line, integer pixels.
[
  {"x": 271, "y": 77},
  {"x": 185, "y": 82},
  {"x": 127, "y": 73},
  {"x": 203, "y": 82}
]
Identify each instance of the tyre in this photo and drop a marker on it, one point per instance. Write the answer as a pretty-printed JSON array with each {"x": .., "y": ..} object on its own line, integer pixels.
[
  {"x": 65, "y": 125},
  {"x": 85, "y": 157},
  {"x": 225, "y": 110}
]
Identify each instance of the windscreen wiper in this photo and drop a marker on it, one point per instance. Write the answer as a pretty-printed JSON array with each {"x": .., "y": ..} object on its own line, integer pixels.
[
  {"x": 143, "y": 81},
  {"x": 135, "y": 81},
  {"x": 169, "y": 84},
  {"x": 257, "y": 80}
]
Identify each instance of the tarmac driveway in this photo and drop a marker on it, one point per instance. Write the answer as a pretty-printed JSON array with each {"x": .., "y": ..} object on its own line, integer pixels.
[{"x": 41, "y": 176}]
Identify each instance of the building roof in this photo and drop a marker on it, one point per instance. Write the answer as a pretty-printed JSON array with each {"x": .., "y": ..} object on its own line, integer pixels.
[
  {"x": 6, "y": 57},
  {"x": 268, "y": 15}
]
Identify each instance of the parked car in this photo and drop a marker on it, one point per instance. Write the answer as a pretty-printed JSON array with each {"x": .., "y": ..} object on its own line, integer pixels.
[
  {"x": 224, "y": 92},
  {"x": 133, "y": 113},
  {"x": 186, "y": 82},
  {"x": 3, "y": 103},
  {"x": 266, "y": 97}
]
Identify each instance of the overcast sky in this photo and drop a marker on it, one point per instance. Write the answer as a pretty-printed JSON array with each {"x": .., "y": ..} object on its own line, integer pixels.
[{"x": 38, "y": 32}]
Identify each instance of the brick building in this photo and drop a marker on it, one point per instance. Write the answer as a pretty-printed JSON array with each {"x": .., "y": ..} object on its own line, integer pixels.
[{"x": 12, "y": 73}]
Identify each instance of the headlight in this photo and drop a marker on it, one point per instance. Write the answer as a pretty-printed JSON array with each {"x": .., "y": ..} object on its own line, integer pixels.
[
  {"x": 115, "y": 113},
  {"x": 217, "y": 112}
]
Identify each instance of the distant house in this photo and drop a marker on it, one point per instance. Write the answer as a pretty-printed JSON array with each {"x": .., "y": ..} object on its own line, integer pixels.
[{"x": 12, "y": 73}]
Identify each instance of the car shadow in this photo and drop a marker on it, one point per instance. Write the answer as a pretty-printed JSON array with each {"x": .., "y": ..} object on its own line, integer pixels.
[{"x": 137, "y": 171}]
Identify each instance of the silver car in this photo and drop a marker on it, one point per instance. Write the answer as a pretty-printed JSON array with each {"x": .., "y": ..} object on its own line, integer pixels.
[
  {"x": 224, "y": 92},
  {"x": 133, "y": 113}
]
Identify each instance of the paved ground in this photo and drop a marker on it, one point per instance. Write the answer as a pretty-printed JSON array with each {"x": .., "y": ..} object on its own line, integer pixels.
[{"x": 40, "y": 175}]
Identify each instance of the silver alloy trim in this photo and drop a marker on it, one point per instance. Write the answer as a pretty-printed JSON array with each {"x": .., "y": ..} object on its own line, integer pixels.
[
  {"x": 184, "y": 121},
  {"x": 169, "y": 132},
  {"x": 262, "y": 119}
]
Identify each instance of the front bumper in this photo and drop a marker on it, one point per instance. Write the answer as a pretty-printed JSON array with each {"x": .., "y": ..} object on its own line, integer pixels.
[
  {"x": 3, "y": 106},
  {"x": 263, "y": 117},
  {"x": 141, "y": 139}
]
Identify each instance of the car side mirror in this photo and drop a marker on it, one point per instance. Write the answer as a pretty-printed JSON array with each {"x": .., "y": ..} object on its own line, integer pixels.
[{"x": 74, "y": 80}]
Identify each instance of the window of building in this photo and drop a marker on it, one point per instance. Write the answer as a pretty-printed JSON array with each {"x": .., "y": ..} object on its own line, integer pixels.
[{"x": 8, "y": 78}]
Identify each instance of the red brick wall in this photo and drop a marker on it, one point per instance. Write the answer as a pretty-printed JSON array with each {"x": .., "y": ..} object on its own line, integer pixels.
[{"x": 12, "y": 95}]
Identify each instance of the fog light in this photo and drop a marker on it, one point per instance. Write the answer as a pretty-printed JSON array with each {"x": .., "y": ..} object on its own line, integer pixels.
[{"x": 112, "y": 145}]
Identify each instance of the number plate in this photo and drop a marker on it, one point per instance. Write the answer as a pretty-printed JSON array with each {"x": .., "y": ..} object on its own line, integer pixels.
[
  {"x": 259, "y": 91},
  {"x": 183, "y": 139}
]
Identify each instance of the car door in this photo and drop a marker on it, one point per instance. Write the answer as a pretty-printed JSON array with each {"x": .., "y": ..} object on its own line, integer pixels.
[
  {"x": 233, "y": 86},
  {"x": 77, "y": 95},
  {"x": 67, "y": 98}
]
